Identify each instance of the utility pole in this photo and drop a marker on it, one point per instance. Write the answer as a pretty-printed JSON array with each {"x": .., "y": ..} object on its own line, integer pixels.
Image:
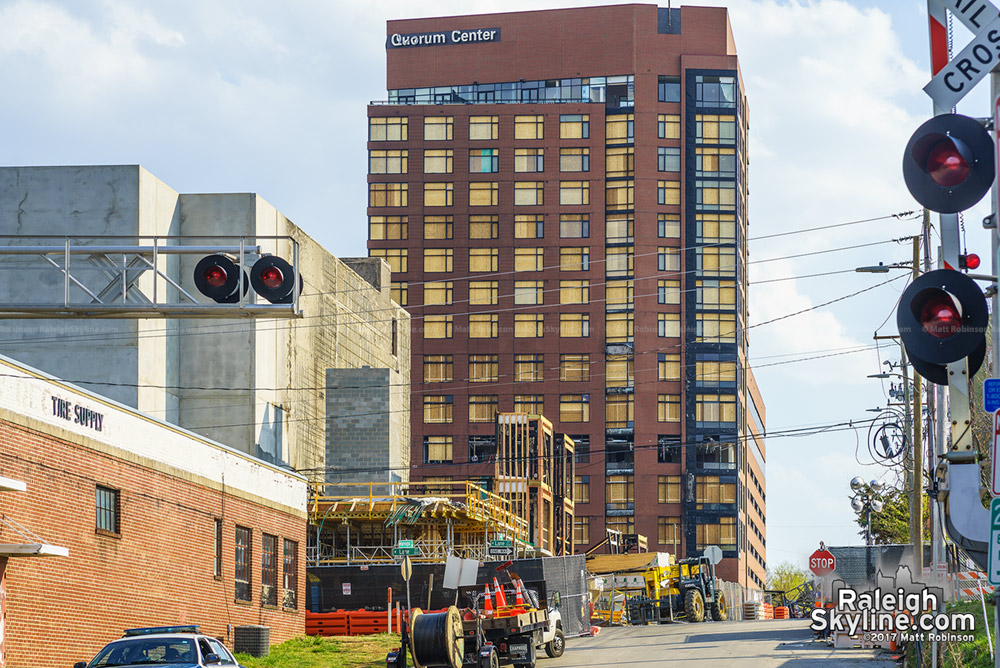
[{"x": 917, "y": 488}]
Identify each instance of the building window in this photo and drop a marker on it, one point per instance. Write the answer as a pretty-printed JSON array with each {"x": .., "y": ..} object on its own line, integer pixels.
[
  {"x": 108, "y": 505},
  {"x": 668, "y": 366},
  {"x": 438, "y": 128},
  {"x": 528, "y": 325},
  {"x": 290, "y": 574},
  {"x": 574, "y": 225},
  {"x": 387, "y": 162},
  {"x": 484, "y": 259},
  {"x": 715, "y": 91},
  {"x": 574, "y": 408},
  {"x": 714, "y": 455},
  {"x": 533, "y": 404},
  {"x": 619, "y": 129},
  {"x": 668, "y": 408},
  {"x": 484, "y": 227},
  {"x": 574, "y": 126},
  {"x": 668, "y": 226},
  {"x": 715, "y": 408},
  {"x": 439, "y": 194},
  {"x": 668, "y": 192},
  {"x": 619, "y": 411},
  {"x": 388, "y": 129},
  {"x": 619, "y": 492},
  {"x": 483, "y": 407},
  {"x": 437, "y": 260},
  {"x": 438, "y": 293},
  {"x": 668, "y": 449},
  {"x": 529, "y": 160},
  {"x": 668, "y": 292},
  {"x": 715, "y": 162},
  {"x": 710, "y": 490},
  {"x": 387, "y": 228},
  {"x": 217, "y": 569},
  {"x": 529, "y": 193},
  {"x": 669, "y": 89},
  {"x": 668, "y": 126},
  {"x": 244, "y": 558},
  {"x": 668, "y": 531},
  {"x": 439, "y": 161},
  {"x": 269, "y": 570},
  {"x": 484, "y": 193},
  {"x": 484, "y": 160},
  {"x": 668, "y": 259},
  {"x": 581, "y": 489},
  {"x": 576, "y": 258},
  {"x": 668, "y": 489},
  {"x": 582, "y": 443},
  {"x": 484, "y": 293},
  {"x": 484, "y": 368},
  {"x": 437, "y": 449},
  {"x": 574, "y": 159},
  {"x": 528, "y": 293},
  {"x": 529, "y": 127},
  {"x": 581, "y": 530},
  {"x": 574, "y": 325},
  {"x": 387, "y": 194},
  {"x": 484, "y": 326},
  {"x": 715, "y": 328},
  {"x": 528, "y": 368},
  {"x": 715, "y": 261},
  {"x": 528, "y": 259},
  {"x": 619, "y": 162},
  {"x": 619, "y": 295},
  {"x": 714, "y": 195},
  {"x": 619, "y": 327},
  {"x": 668, "y": 159},
  {"x": 619, "y": 195},
  {"x": 574, "y": 367},
  {"x": 438, "y": 369},
  {"x": 395, "y": 257},
  {"x": 437, "y": 326},
  {"x": 574, "y": 192},
  {"x": 668, "y": 325},
  {"x": 529, "y": 226},
  {"x": 484, "y": 127},
  {"x": 722, "y": 534},
  {"x": 482, "y": 448},
  {"x": 619, "y": 371},
  {"x": 438, "y": 409},
  {"x": 619, "y": 228},
  {"x": 715, "y": 227},
  {"x": 714, "y": 129},
  {"x": 574, "y": 292},
  {"x": 715, "y": 295},
  {"x": 439, "y": 227},
  {"x": 618, "y": 262}
]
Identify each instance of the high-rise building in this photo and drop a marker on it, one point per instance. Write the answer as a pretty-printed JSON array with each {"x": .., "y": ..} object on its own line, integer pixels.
[{"x": 561, "y": 196}]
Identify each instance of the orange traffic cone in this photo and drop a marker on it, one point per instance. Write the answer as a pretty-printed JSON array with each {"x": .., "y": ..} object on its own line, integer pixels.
[
  {"x": 519, "y": 600},
  {"x": 501, "y": 596},
  {"x": 488, "y": 602}
]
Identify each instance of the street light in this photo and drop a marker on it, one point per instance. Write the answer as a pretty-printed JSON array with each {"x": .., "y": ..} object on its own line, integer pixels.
[
  {"x": 867, "y": 501},
  {"x": 883, "y": 268}
]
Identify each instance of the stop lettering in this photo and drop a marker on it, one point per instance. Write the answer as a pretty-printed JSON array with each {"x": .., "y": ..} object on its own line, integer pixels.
[{"x": 822, "y": 562}]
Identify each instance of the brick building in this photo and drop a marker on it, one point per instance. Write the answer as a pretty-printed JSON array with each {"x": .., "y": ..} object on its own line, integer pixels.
[
  {"x": 562, "y": 196},
  {"x": 162, "y": 527}
]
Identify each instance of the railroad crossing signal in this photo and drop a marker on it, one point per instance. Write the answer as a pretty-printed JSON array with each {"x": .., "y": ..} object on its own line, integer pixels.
[{"x": 954, "y": 79}]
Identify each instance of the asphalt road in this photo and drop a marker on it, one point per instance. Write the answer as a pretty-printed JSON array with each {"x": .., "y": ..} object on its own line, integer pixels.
[{"x": 763, "y": 644}]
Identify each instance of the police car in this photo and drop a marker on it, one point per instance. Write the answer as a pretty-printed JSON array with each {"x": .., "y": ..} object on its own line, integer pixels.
[{"x": 176, "y": 646}]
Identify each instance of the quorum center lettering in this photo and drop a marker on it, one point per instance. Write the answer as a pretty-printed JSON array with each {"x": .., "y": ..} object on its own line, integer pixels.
[{"x": 397, "y": 41}]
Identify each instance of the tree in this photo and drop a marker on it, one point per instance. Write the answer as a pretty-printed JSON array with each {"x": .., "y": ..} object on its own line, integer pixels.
[
  {"x": 891, "y": 525},
  {"x": 786, "y": 576}
]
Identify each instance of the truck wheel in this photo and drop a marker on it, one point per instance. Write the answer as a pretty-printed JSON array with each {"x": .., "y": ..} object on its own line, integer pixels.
[
  {"x": 555, "y": 647},
  {"x": 694, "y": 606},
  {"x": 719, "y": 609}
]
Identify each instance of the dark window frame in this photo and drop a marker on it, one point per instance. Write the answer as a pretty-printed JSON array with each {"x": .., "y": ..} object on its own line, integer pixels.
[
  {"x": 107, "y": 503},
  {"x": 269, "y": 570},
  {"x": 243, "y": 551}
]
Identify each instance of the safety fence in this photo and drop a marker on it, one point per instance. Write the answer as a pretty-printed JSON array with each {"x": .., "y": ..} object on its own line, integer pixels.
[{"x": 356, "y": 622}]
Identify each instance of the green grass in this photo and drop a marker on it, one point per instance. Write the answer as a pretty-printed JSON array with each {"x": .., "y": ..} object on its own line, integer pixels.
[
  {"x": 975, "y": 654},
  {"x": 318, "y": 652}
]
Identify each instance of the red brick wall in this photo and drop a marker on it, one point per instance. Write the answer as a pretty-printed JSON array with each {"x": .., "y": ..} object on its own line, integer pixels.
[{"x": 158, "y": 571}]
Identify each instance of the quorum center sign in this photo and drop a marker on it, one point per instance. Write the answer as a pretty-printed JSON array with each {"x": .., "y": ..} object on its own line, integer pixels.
[{"x": 398, "y": 41}]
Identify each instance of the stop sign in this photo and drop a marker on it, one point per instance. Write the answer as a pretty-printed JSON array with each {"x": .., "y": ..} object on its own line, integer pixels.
[{"x": 822, "y": 562}]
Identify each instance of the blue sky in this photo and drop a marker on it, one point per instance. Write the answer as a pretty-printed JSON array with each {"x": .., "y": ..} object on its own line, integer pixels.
[{"x": 247, "y": 95}]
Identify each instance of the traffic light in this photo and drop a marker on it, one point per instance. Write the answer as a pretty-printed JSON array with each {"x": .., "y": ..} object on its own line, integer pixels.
[
  {"x": 217, "y": 277},
  {"x": 942, "y": 318},
  {"x": 948, "y": 164},
  {"x": 274, "y": 279}
]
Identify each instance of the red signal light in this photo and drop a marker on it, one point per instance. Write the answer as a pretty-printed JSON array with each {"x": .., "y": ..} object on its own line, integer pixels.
[
  {"x": 940, "y": 317},
  {"x": 969, "y": 261},
  {"x": 946, "y": 165},
  {"x": 271, "y": 277},
  {"x": 215, "y": 276}
]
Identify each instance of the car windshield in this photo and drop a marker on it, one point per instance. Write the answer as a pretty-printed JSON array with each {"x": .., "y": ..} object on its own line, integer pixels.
[{"x": 146, "y": 651}]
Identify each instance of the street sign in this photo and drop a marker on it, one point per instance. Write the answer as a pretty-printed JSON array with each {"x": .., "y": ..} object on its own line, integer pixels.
[
  {"x": 822, "y": 562},
  {"x": 405, "y": 548},
  {"x": 993, "y": 573},
  {"x": 406, "y": 568},
  {"x": 714, "y": 554},
  {"x": 991, "y": 394},
  {"x": 969, "y": 67},
  {"x": 500, "y": 548}
]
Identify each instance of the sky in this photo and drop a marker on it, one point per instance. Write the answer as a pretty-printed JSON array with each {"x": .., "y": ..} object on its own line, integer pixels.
[{"x": 254, "y": 96}]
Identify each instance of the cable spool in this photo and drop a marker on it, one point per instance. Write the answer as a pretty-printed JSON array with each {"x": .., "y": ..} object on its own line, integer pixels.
[{"x": 436, "y": 639}]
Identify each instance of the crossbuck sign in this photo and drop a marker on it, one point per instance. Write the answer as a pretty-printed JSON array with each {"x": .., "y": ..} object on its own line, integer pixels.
[{"x": 976, "y": 60}]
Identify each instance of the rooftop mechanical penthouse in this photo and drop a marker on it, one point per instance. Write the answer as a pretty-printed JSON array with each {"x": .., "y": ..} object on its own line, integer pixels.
[{"x": 562, "y": 198}]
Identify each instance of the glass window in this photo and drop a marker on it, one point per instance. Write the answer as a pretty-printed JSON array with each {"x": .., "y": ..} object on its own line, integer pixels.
[
  {"x": 619, "y": 195},
  {"x": 532, "y": 404},
  {"x": 715, "y": 162},
  {"x": 439, "y": 194},
  {"x": 388, "y": 129},
  {"x": 484, "y": 259},
  {"x": 619, "y": 492},
  {"x": 668, "y": 192},
  {"x": 715, "y": 91},
  {"x": 528, "y": 292},
  {"x": 668, "y": 489},
  {"x": 484, "y": 368},
  {"x": 668, "y": 225},
  {"x": 483, "y": 407},
  {"x": 438, "y": 128},
  {"x": 437, "y": 408},
  {"x": 528, "y": 325},
  {"x": 484, "y": 160},
  {"x": 618, "y": 327},
  {"x": 484, "y": 227},
  {"x": 574, "y": 225},
  {"x": 438, "y": 260},
  {"x": 574, "y": 258},
  {"x": 529, "y": 193},
  {"x": 668, "y": 292},
  {"x": 624, "y": 524},
  {"x": 269, "y": 570},
  {"x": 711, "y": 490},
  {"x": 668, "y": 449},
  {"x": 715, "y": 408},
  {"x": 484, "y": 127},
  {"x": 619, "y": 295},
  {"x": 668, "y": 531},
  {"x": 528, "y": 259},
  {"x": 619, "y": 411},
  {"x": 715, "y": 227},
  {"x": 290, "y": 574},
  {"x": 668, "y": 366},
  {"x": 716, "y": 261},
  {"x": 437, "y": 326},
  {"x": 715, "y": 195},
  {"x": 438, "y": 227},
  {"x": 529, "y": 160},
  {"x": 669, "y": 89},
  {"x": 438, "y": 161},
  {"x": 243, "y": 560},
  {"x": 437, "y": 449},
  {"x": 619, "y": 129},
  {"x": 581, "y": 489},
  {"x": 438, "y": 369},
  {"x": 483, "y": 292},
  {"x": 668, "y": 325},
  {"x": 574, "y": 367},
  {"x": 715, "y": 129},
  {"x": 529, "y": 226},
  {"x": 582, "y": 441},
  {"x": 528, "y": 368},
  {"x": 618, "y": 262},
  {"x": 574, "y": 192},
  {"x": 715, "y": 294},
  {"x": 387, "y": 228},
  {"x": 574, "y": 408},
  {"x": 574, "y": 159},
  {"x": 668, "y": 126},
  {"x": 395, "y": 257},
  {"x": 482, "y": 448},
  {"x": 668, "y": 408},
  {"x": 108, "y": 505},
  {"x": 387, "y": 162},
  {"x": 581, "y": 530},
  {"x": 668, "y": 158},
  {"x": 574, "y": 126},
  {"x": 619, "y": 371},
  {"x": 438, "y": 293},
  {"x": 387, "y": 194},
  {"x": 715, "y": 373},
  {"x": 619, "y": 228},
  {"x": 574, "y": 292},
  {"x": 619, "y": 162},
  {"x": 668, "y": 259},
  {"x": 529, "y": 127},
  {"x": 484, "y": 193},
  {"x": 715, "y": 328}
]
